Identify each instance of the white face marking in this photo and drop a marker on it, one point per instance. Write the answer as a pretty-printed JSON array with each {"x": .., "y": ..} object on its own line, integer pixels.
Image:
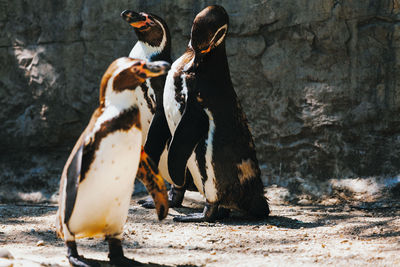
[
  {"x": 121, "y": 100},
  {"x": 143, "y": 50},
  {"x": 209, "y": 186},
  {"x": 217, "y": 42},
  {"x": 115, "y": 102},
  {"x": 102, "y": 200}
]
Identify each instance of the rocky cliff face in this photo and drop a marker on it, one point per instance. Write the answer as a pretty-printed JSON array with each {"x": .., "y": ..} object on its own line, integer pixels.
[{"x": 319, "y": 81}]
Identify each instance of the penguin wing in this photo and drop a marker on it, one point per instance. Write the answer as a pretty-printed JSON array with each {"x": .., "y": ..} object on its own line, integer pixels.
[
  {"x": 191, "y": 128},
  {"x": 157, "y": 136},
  {"x": 73, "y": 174},
  {"x": 72, "y": 169}
]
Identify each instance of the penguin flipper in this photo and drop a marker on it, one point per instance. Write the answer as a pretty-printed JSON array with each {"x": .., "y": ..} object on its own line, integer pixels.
[
  {"x": 73, "y": 176},
  {"x": 157, "y": 136},
  {"x": 148, "y": 174},
  {"x": 191, "y": 128}
]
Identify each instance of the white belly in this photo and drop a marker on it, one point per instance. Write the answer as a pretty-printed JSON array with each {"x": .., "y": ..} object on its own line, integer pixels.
[{"x": 103, "y": 197}]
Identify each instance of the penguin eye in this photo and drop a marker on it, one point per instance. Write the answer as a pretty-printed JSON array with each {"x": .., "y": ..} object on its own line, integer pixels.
[
  {"x": 142, "y": 75},
  {"x": 151, "y": 23}
]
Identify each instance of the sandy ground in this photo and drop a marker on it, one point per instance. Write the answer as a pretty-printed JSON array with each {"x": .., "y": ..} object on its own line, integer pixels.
[{"x": 352, "y": 234}]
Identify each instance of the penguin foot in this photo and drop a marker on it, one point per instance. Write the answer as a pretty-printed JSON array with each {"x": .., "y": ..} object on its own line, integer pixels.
[
  {"x": 79, "y": 261},
  {"x": 175, "y": 199},
  {"x": 75, "y": 259},
  {"x": 123, "y": 261},
  {"x": 194, "y": 217},
  {"x": 147, "y": 203},
  {"x": 211, "y": 213}
]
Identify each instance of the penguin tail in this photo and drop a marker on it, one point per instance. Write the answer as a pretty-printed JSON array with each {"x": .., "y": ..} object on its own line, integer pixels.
[{"x": 259, "y": 207}]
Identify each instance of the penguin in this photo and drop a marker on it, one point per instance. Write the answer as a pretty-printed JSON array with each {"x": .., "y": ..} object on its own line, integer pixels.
[
  {"x": 154, "y": 43},
  {"x": 98, "y": 179},
  {"x": 210, "y": 131}
]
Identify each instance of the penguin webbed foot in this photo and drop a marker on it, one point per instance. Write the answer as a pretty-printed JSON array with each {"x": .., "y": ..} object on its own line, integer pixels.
[
  {"x": 147, "y": 203},
  {"x": 175, "y": 199},
  {"x": 80, "y": 261},
  {"x": 123, "y": 261},
  {"x": 76, "y": 260},
  {"x": 211, "y": 213}
]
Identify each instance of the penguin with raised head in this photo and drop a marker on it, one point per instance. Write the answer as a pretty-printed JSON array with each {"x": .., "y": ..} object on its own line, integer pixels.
[
  {"x": 210, "y": 131},
  {"x": 154, "y": 43},
  {"x": 98, "y": 179}
]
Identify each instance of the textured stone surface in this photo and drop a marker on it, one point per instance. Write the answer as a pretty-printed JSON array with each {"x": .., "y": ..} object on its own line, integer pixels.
[{"x": 319, "y": 81}]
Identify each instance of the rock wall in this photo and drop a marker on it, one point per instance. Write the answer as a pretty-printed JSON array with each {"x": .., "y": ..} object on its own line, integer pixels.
[{"x": 319, "y": 81}]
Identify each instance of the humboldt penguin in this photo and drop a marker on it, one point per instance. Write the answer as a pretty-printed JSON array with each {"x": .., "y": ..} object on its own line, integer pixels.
[
  {"x": 154, "y": 43},
  {"x": 98, "y": 179},
  {"x": 210, "y": 131}
]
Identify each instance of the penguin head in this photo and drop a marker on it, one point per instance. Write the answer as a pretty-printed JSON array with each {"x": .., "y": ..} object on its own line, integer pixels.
[
  {"x": 209, "y": 29},
  {"x": 136, "y": 72},
  {"x": 127, "y": 74},
  {"x": 149, "y": 28}
]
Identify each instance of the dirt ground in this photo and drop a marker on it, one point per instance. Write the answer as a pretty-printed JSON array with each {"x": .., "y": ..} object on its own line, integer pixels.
[{"x": 352, "y": 234}]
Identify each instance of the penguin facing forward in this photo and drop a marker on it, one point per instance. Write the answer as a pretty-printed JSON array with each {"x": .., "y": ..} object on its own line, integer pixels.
[
  {"x": 210, "y": 131},
  {"x": 98, "y": 179},
  {"x": 154, "y": 43}
]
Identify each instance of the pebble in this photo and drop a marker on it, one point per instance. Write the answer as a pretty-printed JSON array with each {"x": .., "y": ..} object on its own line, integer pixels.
[
  {"x": 191, "y": 248},
  {"x": 40, "y": 243}
]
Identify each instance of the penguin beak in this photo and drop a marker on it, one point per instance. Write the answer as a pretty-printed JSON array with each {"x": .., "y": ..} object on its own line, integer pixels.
[
  {"x": 156, "y": 68},
  {"x": 154, "y": 183},
  {"x": 139, "y": 21}
]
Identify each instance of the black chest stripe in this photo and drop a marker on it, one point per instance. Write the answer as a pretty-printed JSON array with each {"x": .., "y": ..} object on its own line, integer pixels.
[
  {"x": 124, "y": 122},
  {"x": 179, "y": 97},
  {"x": 145, "y": 90}
]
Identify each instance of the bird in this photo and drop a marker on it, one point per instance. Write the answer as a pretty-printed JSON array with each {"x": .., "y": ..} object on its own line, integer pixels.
[
  {"x": 98, "y": 178},
  {"x": 154, "y": 43},
  {"x": 210, "y": 133}
]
